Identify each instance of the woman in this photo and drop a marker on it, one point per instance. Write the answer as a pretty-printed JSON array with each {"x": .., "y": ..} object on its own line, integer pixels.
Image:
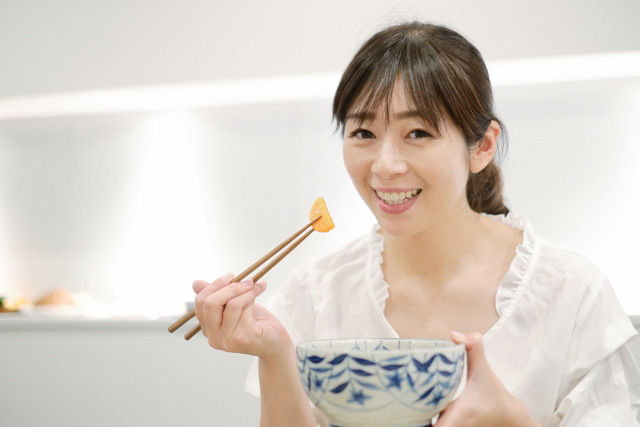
[{"x": 547, "y": 341}]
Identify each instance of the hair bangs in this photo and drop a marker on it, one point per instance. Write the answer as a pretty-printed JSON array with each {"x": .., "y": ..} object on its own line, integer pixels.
[
  {"x": 422, "y": 97},
  {"x": 375, "y": 96},
  {"x": 370, "y": 89}
]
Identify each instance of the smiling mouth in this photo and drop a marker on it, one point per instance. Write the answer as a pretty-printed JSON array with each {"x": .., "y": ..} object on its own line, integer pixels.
[{"x": 399, "y": 198}]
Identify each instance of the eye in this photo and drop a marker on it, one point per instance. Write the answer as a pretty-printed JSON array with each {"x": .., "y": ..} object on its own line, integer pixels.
[
  {"x": 362, "y": 134},
  {"x": 419, "y": 133}
]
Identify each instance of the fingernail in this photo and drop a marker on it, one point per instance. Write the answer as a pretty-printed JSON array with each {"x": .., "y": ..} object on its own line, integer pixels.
[
  {"x": 458, "y": 336},
  {"x": 247, "y": 282},
  {"x": 228, "y": 276}
]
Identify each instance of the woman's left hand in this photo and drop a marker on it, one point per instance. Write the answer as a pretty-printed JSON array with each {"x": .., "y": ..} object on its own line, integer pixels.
[{"x": 484, "y": 401}]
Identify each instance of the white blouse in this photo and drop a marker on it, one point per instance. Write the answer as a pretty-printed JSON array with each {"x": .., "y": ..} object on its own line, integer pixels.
[{"x": 562, "y": 344}]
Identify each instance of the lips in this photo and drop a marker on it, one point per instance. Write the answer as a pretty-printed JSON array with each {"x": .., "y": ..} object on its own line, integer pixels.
[{"x": 396, "y": 201}]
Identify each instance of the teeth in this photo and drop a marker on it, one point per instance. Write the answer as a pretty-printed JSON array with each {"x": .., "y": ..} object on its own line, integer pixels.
[{"x": 397, "y": 198}]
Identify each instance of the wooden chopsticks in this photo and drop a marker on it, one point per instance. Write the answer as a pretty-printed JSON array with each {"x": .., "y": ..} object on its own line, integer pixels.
[{"x": 184, "y": 319}]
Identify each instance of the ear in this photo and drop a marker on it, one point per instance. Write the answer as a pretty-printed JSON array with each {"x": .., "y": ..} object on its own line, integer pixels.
[{"x": 485, "y": 149}]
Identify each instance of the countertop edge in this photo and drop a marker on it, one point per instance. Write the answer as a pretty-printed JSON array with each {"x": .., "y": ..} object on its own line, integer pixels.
[{"x": 20, "y": 323}]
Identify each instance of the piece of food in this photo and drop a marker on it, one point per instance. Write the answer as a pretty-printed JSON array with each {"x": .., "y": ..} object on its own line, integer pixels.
[
  {"x": 319, "y": 209},
  {"x": 56, "y": 297}
]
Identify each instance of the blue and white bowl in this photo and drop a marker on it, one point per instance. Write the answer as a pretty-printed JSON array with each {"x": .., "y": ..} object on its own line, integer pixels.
[{"x": 380, "y": 382}]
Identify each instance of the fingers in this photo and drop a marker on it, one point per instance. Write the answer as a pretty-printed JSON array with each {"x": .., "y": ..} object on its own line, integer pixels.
[
  {"x": 214, "y": 297},
  {"x": 204, "y": 289},
  {"x": 469, "y": 340},
  {"x": 247, "y": 315},
  {"x": 199, "y": 285},
  {"x": 238, "y": 312},
  {"x": 223, "y": 309},
  {"x": 485, "y": 401},
  {"x": 475, "y": 350}
]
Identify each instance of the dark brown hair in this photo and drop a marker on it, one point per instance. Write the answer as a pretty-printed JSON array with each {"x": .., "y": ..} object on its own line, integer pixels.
[{"x": 444, "y": 77}]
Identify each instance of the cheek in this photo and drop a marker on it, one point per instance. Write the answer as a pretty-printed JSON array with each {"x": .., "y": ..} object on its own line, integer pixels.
[
  {"x": 355, "y": 163},
  {"x": 442, "y": 172},
  {"x": 456, "y": 173}
]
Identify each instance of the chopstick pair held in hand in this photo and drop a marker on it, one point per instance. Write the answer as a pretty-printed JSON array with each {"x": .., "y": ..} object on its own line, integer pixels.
[{"x": 184, "y": 319}]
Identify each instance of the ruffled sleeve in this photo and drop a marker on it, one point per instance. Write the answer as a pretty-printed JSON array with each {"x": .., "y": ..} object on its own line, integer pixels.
[
  {"x": 603, "y": 396},
  {"x": 601, "y": 385},
  {"x": 563, "y": 345}
]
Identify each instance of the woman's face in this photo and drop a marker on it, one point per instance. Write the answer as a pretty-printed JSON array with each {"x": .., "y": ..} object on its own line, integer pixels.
[{"x": 410, "y": 178}]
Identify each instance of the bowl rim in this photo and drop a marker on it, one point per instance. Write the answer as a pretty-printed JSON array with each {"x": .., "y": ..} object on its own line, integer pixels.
[{"x": 445, "y": 344}]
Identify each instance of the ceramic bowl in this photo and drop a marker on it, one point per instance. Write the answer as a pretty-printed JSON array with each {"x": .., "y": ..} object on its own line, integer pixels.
[{"x": 380, "y": 382}]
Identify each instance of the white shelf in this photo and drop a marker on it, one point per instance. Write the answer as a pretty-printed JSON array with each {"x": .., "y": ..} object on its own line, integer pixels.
[
  {"x": 20, "y": 323},
  {"x": 293, "y": 88}
]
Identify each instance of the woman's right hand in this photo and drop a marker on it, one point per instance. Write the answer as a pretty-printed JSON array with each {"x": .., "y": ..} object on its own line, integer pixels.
[{"x": 232, "y": 321}]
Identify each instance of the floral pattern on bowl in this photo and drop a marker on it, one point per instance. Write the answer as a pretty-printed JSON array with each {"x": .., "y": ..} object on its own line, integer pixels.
[{"x": 380, "y": 382}]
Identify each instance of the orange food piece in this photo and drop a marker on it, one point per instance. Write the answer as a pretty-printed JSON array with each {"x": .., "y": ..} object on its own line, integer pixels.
[{"x": 319, "y": 208}]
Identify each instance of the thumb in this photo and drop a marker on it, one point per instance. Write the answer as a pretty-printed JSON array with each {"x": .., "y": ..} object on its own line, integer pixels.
[
  {"x": 199, "y": 285},
  {"x": 476, "y": 359}
]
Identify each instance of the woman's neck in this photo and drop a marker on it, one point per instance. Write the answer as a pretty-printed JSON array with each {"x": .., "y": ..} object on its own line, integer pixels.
[{"x": 439, "y": 252}]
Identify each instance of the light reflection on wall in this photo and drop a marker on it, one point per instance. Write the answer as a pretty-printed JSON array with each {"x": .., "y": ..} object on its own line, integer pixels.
[
  {"x": 572, "y": 169},
  {"x": 165, "y": 235},
  {"x": 4, "y": 242}
]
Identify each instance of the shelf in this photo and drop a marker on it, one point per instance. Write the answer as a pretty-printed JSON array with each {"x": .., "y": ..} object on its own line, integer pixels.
[
  {"x": 20, "y": 323},
  {"x": 293, "y": 88}
]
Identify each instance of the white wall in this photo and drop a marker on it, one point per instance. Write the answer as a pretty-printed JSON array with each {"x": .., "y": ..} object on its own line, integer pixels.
[
  {"x": 572, "y": 168},
  {"x": 73, "y": 44}
]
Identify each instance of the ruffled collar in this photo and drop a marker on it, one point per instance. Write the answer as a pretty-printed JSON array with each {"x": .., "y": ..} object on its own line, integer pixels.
[{"x": 510, "y": 287}]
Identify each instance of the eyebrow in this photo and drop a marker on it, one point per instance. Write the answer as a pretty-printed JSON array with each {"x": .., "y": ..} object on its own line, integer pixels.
[
  {"x": 410, "y": 114},
  {"x": 367, "y": 116},
  {"x": 361, "y": 116}
]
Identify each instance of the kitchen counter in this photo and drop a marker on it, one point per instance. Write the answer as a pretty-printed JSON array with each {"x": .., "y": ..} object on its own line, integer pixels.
[
  {"x": 17, "y": 322},
  {"x": 117, "y": 372}
]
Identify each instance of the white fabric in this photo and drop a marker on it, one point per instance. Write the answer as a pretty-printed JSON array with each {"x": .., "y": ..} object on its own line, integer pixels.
[{"x": 562, "y": 344}]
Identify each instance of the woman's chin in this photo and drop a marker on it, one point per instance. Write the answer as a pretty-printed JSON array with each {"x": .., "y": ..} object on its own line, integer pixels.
[
  {"x": 396, "y": 228},
  {"x": 402, "y": 224}
]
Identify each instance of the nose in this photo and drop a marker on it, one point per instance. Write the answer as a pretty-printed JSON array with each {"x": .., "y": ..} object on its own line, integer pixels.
[{"x": 389, "y": 161}]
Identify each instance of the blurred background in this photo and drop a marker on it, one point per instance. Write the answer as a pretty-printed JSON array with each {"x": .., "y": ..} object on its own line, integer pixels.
[{"x": 144, "y": 144}]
